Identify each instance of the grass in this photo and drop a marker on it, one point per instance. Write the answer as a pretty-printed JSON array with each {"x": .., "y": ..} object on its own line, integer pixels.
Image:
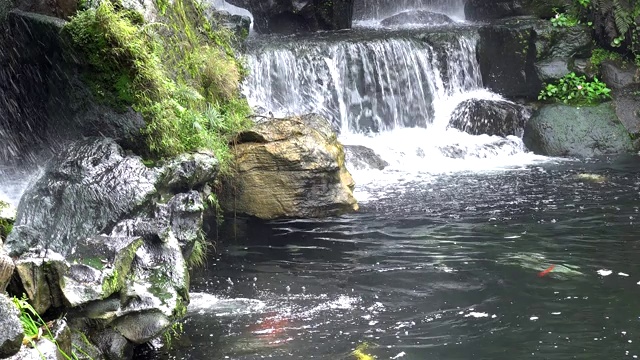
[
  {"x": 6, "y": 225},
  {"x": 35, "y": 327},
  {"x": 181, "y": 74}
]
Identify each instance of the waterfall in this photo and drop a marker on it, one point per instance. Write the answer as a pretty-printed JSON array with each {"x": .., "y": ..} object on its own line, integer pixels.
[
  {"x": 362, "y": 85},
  {"x": 378, "y": 9}
]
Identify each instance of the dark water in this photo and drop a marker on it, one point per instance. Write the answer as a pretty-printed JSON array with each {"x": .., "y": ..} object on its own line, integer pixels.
[{"x": 445, "y": 269}]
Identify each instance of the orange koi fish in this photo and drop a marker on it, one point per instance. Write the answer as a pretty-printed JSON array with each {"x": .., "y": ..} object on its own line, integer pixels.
[{"x": 546, "y": 271}]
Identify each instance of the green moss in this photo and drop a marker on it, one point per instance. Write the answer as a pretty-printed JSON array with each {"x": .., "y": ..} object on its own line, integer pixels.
[
  {"x": 181, "y": 74},
  {"x": 599, "y": 55},
  {"x": 111, "y": 283}
]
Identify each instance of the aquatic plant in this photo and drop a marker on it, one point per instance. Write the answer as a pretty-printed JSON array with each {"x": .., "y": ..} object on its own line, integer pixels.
[{"x": 181, "y": 74}]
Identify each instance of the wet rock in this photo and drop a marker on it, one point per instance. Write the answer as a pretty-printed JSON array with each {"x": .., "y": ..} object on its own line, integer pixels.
[
  {"x": 363, "y": 158},
  {"x": 88, "y": 187},
  {"x": 289, "y": 168},
  {"x": 627, "y": 104},
  {"x": 12, "y": 332},
  {"x": 113, "y": 345},
  {"x": 618, "y": 75},
  {"x": 517, "y": 55},
  {"x": 44, "y": 349},
  {"x": 416, "y": 17},
  {"x": 238, "y": 23},
  {"x": 63, "y": 9},
  {"x": 189, "y": 171},
  {"x": 39, "y": 274},
  {"x": 6, "y": 269},
  {"x": 99, "y": 267},
  {"x": 491, "y": 117},
  {"x": 498, "y": 9},
  {"x": 561, "y": 130},
  {"x": 49, "y": 100},
  {"x": 293, "y": 16},
  {"x": 84, "y": 348},
  {"x": 142, "y": 327}
]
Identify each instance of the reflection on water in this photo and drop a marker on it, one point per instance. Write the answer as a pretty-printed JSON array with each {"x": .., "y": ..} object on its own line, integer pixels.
[{"x": 444, "y": 269}]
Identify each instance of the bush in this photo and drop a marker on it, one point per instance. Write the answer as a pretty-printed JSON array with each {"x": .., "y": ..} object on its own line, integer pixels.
[
  {"x": 576, "y": 90},
  {"x": 180, "y": 74}
]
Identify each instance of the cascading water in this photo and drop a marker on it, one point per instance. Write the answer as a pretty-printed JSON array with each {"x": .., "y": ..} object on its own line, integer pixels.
[
  {"x": 392, "y": 91},
  {"x": 367, "y": 10}
]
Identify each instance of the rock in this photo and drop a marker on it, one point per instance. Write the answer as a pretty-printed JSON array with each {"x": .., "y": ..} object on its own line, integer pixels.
[
  {"x": 416, "y": 17},
  {"x": 189, "y": 171},
  {"x": 289, "y": 168},
  {"x": 107, "y": 237},
  {"x": 359, "y": 157},
  {"x": 238, "y": 23},
  {"x": 84, "y": 348},
  {"x": 40, "y": 274},
  {"x": 12, "y": 332},
  {"x": 491, "y": 117},
  {"x": 517, "y": 55},
  {"x": 627, "y": 104},
  {"x": 113, "y": 345},
  {"x": 44, "y": 349},
  {"x": 498, "y": 9},
  {"x": 88, "y": 187},
  {"x": 6, "y": 270},
  {"x": 293, "y": 16},
  {"x": 561, "y": 130},
  {"x": 99, "y": 267},
  {"x": 142, "y": 327},
  {"x": 618, "y": 75},
  {"x": 42, "y": 84},
  {"x": 63, "y": 9}
]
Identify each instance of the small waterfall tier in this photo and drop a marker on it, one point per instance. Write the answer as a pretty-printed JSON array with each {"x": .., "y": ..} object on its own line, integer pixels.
[{"x": 366, "y": 81}]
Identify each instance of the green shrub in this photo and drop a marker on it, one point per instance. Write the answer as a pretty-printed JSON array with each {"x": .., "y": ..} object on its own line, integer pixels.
[
  {"x": 180, "y": 74},
  {"x": 576, "y": 90},
  {"x": 599, "y": 55},
  {"x": 564, "y": 20}
]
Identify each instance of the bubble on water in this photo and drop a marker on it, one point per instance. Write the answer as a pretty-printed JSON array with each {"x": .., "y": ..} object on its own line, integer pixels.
[
  {"x": 533, "y": 318},
  {"x": 477, "y": 314},
  {"x": 623, "y": 274}
]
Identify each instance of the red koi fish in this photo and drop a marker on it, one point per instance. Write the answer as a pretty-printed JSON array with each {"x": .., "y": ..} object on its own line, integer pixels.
[{"x": 546, "y": 271}]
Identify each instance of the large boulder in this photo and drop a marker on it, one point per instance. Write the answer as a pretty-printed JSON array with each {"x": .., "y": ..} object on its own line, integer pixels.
[
  {"x": 498, "y": 9},
  {"x": 517, "y": 55},
  {"x": 292, "y": 16},
  {"x": 12, "y": 331},
  {"x": 107, "y": 238},
  {"x": 563, "y": 130},
  {"x": 291, "y": 167},
  {"x": 626, "y": 101},
  {"x": 617, "y": 74},
  {"x": 415, "y": 18},
  {"x": 491, "y": 117}
]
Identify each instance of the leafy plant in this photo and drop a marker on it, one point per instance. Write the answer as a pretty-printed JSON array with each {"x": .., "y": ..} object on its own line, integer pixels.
[
  {"x": 564, "y": 20},
  {"x": 34, "y": 326},
  {"x": 599, "y": 55},
  {"x": 173, "y": 73},
  {"x": 576, "y": 90}
]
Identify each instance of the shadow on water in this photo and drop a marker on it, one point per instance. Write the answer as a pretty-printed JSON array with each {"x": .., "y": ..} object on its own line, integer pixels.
[{"x": 439, "y": 270}]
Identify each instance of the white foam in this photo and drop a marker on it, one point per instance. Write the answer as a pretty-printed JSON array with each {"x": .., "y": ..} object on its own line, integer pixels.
[{"x": 604, "y": 272}]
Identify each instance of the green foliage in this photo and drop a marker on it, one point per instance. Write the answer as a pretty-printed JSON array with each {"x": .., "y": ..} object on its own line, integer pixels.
[
  {"x": 34, "y": 326},
  {"x": 576, "y": 90},
  {"x": 181, "y": 74},
  {"x": 584, "y": 3},
  {"x": 617, "y": 22},
  {"x": 599, "y": 55},
  {"x": 5, "y": 228},
  {"x": 564, "y": 20},
  {"x": 198, "y": 255}
]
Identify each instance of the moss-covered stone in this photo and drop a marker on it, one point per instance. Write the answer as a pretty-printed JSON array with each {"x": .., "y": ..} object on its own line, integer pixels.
[{"x": 563, "y": 130}]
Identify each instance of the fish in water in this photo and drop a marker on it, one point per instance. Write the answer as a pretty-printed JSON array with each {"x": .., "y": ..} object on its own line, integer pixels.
[{"x": 546, "y": 271}]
